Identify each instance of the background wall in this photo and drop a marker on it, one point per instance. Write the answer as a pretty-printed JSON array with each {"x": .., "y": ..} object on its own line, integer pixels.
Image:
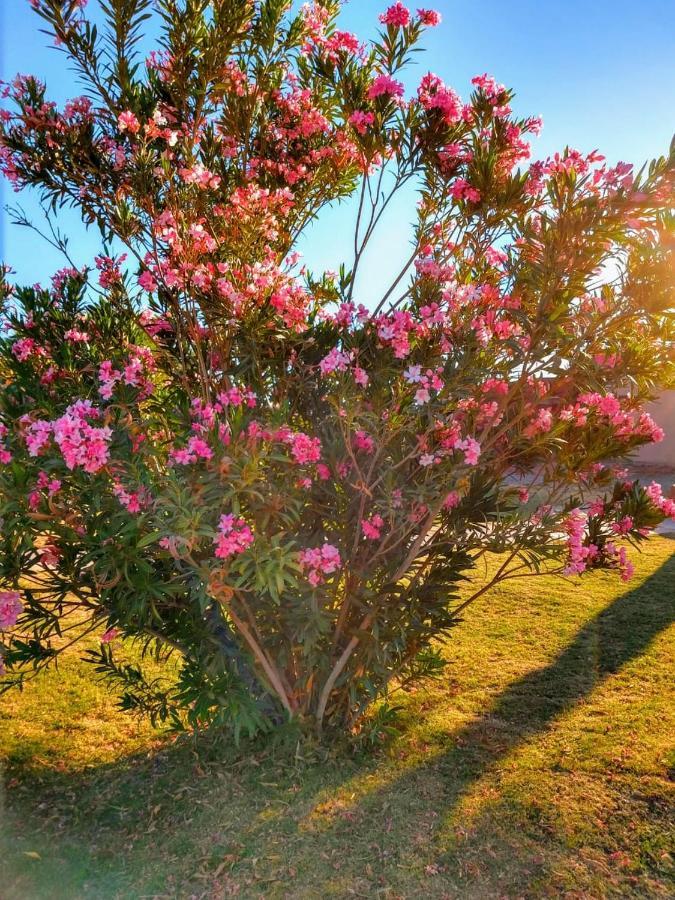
[{"x": 663, "y": 454}]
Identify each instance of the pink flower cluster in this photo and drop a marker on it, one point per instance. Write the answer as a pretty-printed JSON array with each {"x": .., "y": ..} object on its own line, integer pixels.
[
  {"x": 5, "y": 454},
  {"x": 335, "y": 361},
  {"x": 135, "y": 373},
  {"x": 127, "y": 121},
  {"x": 372, "y": 527},
  {"x": 541, "y": 424},
  {"x": 201, "y": 176},
  {"x": 361, "y": 121},
  {"x": 109, "y": 635},
  {"x": 397, "y": 15},
  {"x": 580, "y": 554},
  {"x": 234, "y": 536},
  {"x": 133, "y": 501},
  {"x": 426, "y": 382},
  {"x": 44, "y": 483},
  {"x": 50, "y": 555},
  {"x": 24, "y": 348},
  {"x": 385, "y": 86},
  {"x": 196, "y": 448},
  {"x": 429, "y": 17},
  {"x": 575, "y": 527},
  {"x": 234, "y": 396},
  {"x": 364, "y": 442},
  {"x": 320, "y": 561},
  {"x": 80, "y": 443},
  {"x": 471, "y": 449},
  {"x": 433, "y": 94},
  {"x": 607, "y": 407},
  {"x": 452, "y": 500},
  {"x": 663, "y": 504},
  {"x": 462, "y": 190},
  {"x": 395, "y": 330},
  {"x": 490, "y": 87},
  {"x": 10, "y": 609},
  {"x": 109, "y": 267},
  {"x": 153, "y": 323},
  {"x": 304, "y": 448},
  {"x": 75, "y": 336}
]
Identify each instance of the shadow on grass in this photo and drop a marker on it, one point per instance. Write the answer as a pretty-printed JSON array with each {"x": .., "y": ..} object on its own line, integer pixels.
[{"x": 105, "y": 827}]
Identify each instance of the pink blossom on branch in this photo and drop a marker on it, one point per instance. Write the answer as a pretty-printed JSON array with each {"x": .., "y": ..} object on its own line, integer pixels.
[
  {"x": 361, "y": 121},
  {"x": 397, "y": 15},
  {"x": 385, "y": 86},
  {"x": 10, "y": 609},
  {"x": 127, "y": 121},
  {"x": 319, "y": 562},
  {"x": 234, "y": 536},
  {"x": 429, "y": 17},
  {"x": 372, "y": 527}
]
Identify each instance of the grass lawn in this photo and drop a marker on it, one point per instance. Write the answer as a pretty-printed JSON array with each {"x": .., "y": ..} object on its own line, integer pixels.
[{"x": 538, "y": 767}]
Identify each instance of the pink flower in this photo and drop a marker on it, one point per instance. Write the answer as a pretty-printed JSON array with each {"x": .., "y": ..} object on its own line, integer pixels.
[
  {"x": 235, "y": 536},
  {"x": 489, "y": 86},
  {"x": 434, "y": 94},
  {"x": 76, "y": 337},
  {"x": 541, "y": 425},
  {"x": 623, "y": 526},
  {"x": 335, "y": 361},
  {"x": 52, "y": 485},
  {"x": 397, "y": 15},
  {"x": 625, "y": 565},
  {"x": 127, "y": 121},
  {"x": 429, "y": 17},
  {"x": 452, "y": 500},
  {"x": 147, "y": 281},
  {"x": 305, "y": 449},
  {"x": 109, "y": 268},
  {"x": 663, "y": 504},
  {"x": 361, "y": 121},
  {"x": 132, "y": 501},
  {"x": 462, "y": 190},
  {"x": 372, "y": 527},
  {"x": 24, "y": 348},
  {"x": 199, "y": 448},
  {"x": 575, "y": 526},
  {"x": 50, "y": 555},
  {"x": 471, "y": 449},
  {"x": 320, "y": 561},
  {"x": 80, "y": 443},
  {"x": 10, "y": 609},
  {"x": 108, "y": 378},
  {"x": 109, "y": 635},
  {"x": 361, "y": 376},
  {"x": 201, "y": 176},
  {"x": 385, "y": 85},
  {"x": 363, "y": 441}
]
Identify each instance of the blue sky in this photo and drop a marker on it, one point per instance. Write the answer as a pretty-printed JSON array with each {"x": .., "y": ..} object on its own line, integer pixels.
[{"x": 600, "y": 73}]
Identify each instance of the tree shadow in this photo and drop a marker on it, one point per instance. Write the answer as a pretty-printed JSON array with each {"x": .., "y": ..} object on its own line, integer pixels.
[
  {"x": 166, "y": 794},
  {"x": 428, "y": 794}
]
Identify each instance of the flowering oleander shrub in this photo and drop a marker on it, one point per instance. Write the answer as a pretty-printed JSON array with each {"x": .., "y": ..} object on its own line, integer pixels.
[{"x": 211, "y": 450}]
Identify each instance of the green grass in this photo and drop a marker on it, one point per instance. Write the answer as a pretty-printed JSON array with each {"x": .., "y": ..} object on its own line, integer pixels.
[{"x": 536, "y": 768}]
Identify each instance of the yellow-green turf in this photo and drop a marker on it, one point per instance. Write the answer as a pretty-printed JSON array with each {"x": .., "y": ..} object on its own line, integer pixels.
[{"x": 538, "y": 766}]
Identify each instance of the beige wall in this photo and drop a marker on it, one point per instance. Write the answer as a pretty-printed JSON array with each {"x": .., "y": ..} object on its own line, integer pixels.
[{"x": 663, "y": 412}]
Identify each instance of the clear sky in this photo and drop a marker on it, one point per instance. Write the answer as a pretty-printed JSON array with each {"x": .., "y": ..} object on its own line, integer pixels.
[{"x": 600, "y": 72}]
